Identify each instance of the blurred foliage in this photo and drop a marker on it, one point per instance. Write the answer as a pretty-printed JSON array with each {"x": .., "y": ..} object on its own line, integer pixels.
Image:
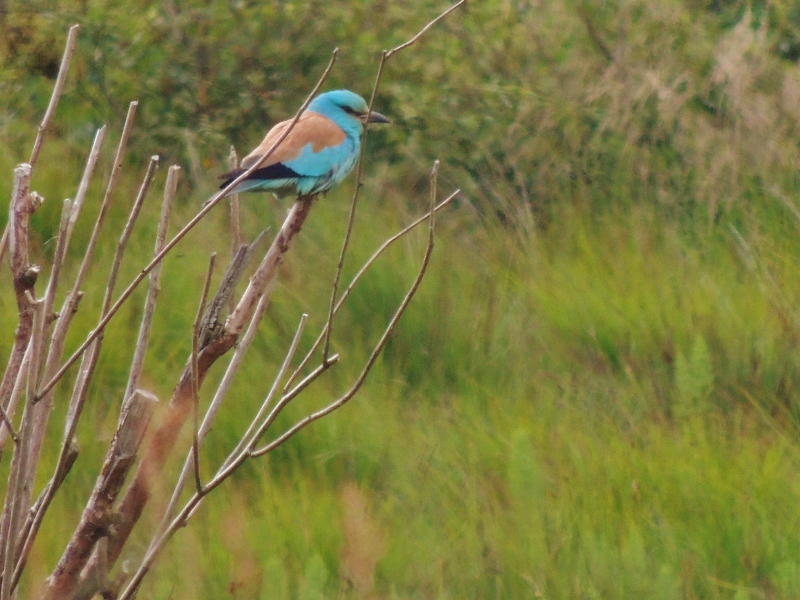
[
  {"x": 677, "y": 103},
  {"x": 596, "y": 393}
]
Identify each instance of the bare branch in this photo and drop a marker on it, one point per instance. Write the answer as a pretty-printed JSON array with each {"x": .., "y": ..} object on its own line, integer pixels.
[
  {"x": 425, "y": 29},
  {"x": 247, "y": 438},
  {"x": 246, "y": 447},
  {"x": 4, "y": 242},
  {"x": 23, "y": 204},
  {"x": 16, "y": 392},
  {"x": 81, "y": 386},
  {"x": 195, "y": 374},
  {"x": 236, "y": 224},
  {"x": 86, "y": 178},
  {"x": 57, "y": 89},
  {"x": 381, "y": 343},
  {"x": 42, "y": 410},
  {"x": 17, "y": 494},
  {"x": 359, "y": 171},
  {"x": 357, "y": 277},
  {"x": 97, "y": 516},
  {"x": 155, "y": 281}
]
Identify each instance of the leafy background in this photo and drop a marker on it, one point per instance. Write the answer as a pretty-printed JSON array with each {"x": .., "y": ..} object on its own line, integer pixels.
[{"x": 594, "y": 394}]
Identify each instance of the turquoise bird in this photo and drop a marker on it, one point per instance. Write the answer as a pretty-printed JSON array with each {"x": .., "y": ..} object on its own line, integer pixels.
[{"x": 319, "y": 151}]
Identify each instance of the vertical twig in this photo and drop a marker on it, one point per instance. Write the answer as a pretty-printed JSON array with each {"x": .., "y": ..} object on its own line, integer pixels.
[
  {"x": 195, "y": 374},
  {"x": 359, "y": 170},
  {"x": 69, "y": 47},
  {"x": 236, "y": 220},
  {"x": 17, "y": 495},
  {"x": 155, "y": 282}
]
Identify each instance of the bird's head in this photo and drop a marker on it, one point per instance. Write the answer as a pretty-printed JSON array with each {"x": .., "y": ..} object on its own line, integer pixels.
[{"x": 339, "y": 103}]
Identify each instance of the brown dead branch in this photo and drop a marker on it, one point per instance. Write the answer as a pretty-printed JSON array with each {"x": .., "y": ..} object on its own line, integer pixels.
[{"x": 97, "y": 517}]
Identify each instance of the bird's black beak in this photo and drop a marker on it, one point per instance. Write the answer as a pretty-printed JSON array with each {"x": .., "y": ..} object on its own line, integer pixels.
[{"x": 376, "y": 117}]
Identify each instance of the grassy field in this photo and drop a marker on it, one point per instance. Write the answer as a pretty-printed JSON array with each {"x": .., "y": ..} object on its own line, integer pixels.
[{"x": 595, "y": 392}]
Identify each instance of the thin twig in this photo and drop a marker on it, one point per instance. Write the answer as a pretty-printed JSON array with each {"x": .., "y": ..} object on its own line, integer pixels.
[
  {"x": 16, "y": 392},
  {"x": 17, "y": 494},
  {"x": 358, "y": 276},
  {"x": 86, "y": 178},
  {"x": 209, "y": 204},
  {"x": 143, "y": 338},
  {"x": 195, "y": 374},
  {"x": 235, "y": 217},
  {"x": 69, "y": 47},
  {"x": 213, "y": 409},
  {"x": 246, "y": 439},
  {"x": 4, "y": 243},
  {"x": 386, "y": 54},
  {"x": 426, "y": 28},
  {"x": 190, "y": 506},
  {"x": 381, "y": 343}
]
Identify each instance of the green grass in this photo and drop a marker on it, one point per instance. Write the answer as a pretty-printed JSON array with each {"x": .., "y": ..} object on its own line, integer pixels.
[{"x": 606, "y": 410}]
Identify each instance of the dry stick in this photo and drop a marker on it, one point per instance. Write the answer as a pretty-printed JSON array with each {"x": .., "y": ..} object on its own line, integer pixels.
[
  {"x": 95, "y": 523},
  {"x": 155, "y": 282},
  {"x": 236, "y": 220},
  {"x": 165, "y": 436},
  {"x": 251, "y": 452},
  {"x": 86, "y": 178},
  {"x": 216, "y": 403},
  {"x": 23, "y": 203},
  {"x": 195, "y": 377},
  {"x": 334, "y": 405},
  {"x": 72, "y": 34},
  {"x": 15, "y": 394},
  {"x": 17, "y": 494},
  {"x": 359, "y": 170},
  {"x": 246, "y": 439},
  {"x": 58, "y": 260},
  {"x": 207, "y": 206},
  {"x": 357, "y": 277},
  {"x": 73, "y": 298},
  {"x": 235, "y": 217},
  {"x": 192, "y": 504},
  {"x": 81, "y": 385},
  {"x": 4, "y": 242}
]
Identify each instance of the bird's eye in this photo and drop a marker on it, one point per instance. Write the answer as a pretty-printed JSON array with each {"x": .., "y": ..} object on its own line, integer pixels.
[{"x": 349, "y": 111}]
